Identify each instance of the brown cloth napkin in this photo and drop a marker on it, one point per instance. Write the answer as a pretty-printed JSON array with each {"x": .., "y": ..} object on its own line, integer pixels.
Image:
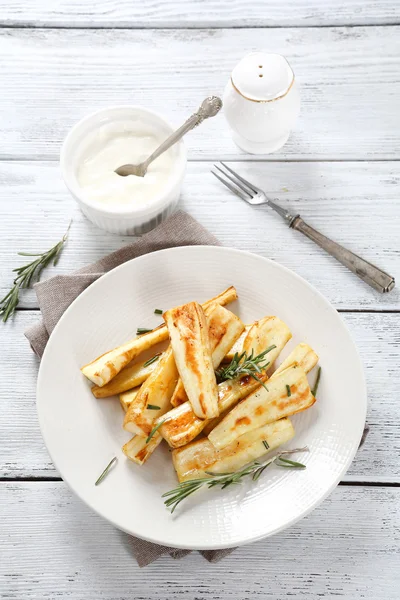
[{"x": 57, "y": 293}]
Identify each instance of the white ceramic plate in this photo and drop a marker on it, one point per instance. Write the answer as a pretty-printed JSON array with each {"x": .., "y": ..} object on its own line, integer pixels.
[{"x": 82, "y": 434}]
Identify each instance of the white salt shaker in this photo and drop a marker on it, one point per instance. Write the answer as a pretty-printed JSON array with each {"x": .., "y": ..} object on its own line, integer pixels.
[{"x": 261, "y": 102}]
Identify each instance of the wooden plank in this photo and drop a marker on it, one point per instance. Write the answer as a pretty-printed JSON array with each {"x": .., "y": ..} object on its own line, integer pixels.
[
  {"x": 348, "y": 78},
  {"x": 377, "y": 335},
  {"x": 208, "y": 13},
  {"x": 55, "y": 546},
  {"x": 356, "y": 204}
]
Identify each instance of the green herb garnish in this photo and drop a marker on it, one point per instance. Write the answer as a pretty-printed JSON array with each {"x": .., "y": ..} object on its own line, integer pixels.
[
  {"x": 28, "y": 274},
  {"x": 106, "y": 470},
  {"x": 316, "y": 384},
  {"x": 153, "y": 407},
  {"x": 255, "y": 469},
  {"x": 154, "y": 430},
  {"x": 142, "y": 330},
  {"x": 245, "y": 364},
  {"x": 266, "y": 444},
  {"x": 158, "y": 311},
  {"x": 285, "y": 462},
  {"x": 151, "y": 360},
  {"x": 288, "y": 390}
]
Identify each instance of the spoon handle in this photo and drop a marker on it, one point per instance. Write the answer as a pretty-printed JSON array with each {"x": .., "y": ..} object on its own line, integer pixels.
[{"x": 209, "y": 108}]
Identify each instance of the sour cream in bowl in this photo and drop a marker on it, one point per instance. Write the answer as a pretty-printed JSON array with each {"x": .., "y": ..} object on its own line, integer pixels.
[{"x": 104, "y": 141}]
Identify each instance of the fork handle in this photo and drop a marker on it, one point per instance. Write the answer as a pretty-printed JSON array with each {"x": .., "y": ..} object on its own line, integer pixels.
[{"x": 375, "y": 277}]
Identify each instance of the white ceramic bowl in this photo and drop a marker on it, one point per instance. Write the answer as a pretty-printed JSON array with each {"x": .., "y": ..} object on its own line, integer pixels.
[{"x": 123, "y": 219}]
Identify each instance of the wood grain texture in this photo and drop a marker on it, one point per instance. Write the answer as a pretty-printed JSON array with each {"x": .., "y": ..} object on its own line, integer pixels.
[
  {"x": 55, "y": 547},
  {"x": 208, "y": 13},
  {"x": 348, "y": 78},
  {"x": 22, "y": 451},
  {"x": 354, "y": 203}
]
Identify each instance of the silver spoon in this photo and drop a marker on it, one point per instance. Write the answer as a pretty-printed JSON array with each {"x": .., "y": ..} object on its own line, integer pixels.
[{"x": 209, "y": 108}]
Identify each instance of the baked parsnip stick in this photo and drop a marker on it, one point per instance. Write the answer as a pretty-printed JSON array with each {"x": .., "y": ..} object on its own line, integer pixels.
[
  {"x": 237, "y": 346},
  {"x": 224, "y": 328},
  {"x": 192, "y": 461},
  {"x": 128, "y": 378},
  {"x": 188, "y": 331},
  {"x": 138, "y": 449},
  {"x": 154, "y": 397},
  {"x": 127, "y": 398}
]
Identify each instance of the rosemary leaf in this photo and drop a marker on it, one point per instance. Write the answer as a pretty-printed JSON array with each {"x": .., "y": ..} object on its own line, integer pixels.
[
  {"x": 158, "y": 311},
  {"x": 142, "y": 330},
  {"x": 266, "y": 444},
  {"x": 151, "y": 360},
  {"x": 316, "y": 384},
  {"x": 153, "y": 407},
  {"x": 288, "y": 390},
  {"x": 290, "y": 463},
  {"x": 154, "y": 430},
  {"x": 106, "y": 470}
]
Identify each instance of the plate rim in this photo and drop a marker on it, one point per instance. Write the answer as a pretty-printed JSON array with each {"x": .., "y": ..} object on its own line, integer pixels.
[{"x": 253, "y": 538}]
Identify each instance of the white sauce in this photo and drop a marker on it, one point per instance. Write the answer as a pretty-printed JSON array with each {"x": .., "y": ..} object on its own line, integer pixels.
[{"x": 117, "y": 144}]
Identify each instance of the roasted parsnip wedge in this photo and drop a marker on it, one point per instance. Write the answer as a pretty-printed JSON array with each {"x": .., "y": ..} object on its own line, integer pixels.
[
  {"x": 237, "y": 346},
  {"x": 226, "y": 297},
  {"x": 128, "y": 378},
  {"x": 182, "y": 425},
  {"x": 302, "y": 354},
  {"x": 127, "y": 398},
  {"x": 266, "y": 332},
  {"x": 224, "y": 328},
  {"x": 287, "y": 394},
  {"x": 156, "y": 391},
  {"x": 179, "y": 396},
  {"x": 138, "y": 450},
  {"x": 107, "y": 366},
  {"x": 101, "y": 370},
  {"x": 192, "y": 461},
  {"x": 190, "y": 342}
]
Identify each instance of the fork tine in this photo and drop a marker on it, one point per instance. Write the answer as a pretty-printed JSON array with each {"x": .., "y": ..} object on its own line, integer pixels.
[
  {"x": 242, "y": 179},
  {"x": 231, "y": 187},
  {"x": 235, "y": 181}
]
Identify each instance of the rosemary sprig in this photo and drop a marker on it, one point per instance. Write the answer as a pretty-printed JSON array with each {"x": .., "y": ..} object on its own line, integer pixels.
[
  {"x": 28, "y": 274},
  {"x": 152, "y": 359},
  {"x": 255, "y": 469},
  {"x": 154, "y": 430},
  {"x": 316, "y": 384},
  {"x": 106, "y": 470},
  {"x": 245, "y": 364}
]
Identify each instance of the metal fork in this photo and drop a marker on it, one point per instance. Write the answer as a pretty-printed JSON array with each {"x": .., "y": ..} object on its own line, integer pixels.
[{"x": 375, "y": 277}]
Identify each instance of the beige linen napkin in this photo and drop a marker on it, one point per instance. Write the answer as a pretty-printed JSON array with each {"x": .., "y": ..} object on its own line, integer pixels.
[{"x": 57, "y": 293}]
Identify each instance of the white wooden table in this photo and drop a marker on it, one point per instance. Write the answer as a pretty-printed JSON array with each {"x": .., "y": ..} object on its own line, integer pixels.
[{"x": 340, "y": 170}]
